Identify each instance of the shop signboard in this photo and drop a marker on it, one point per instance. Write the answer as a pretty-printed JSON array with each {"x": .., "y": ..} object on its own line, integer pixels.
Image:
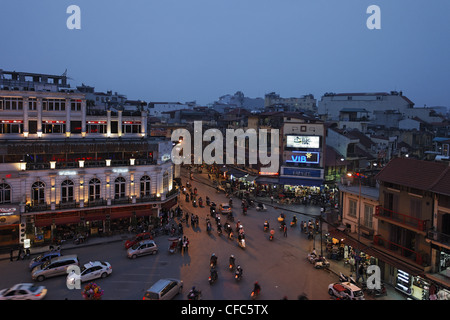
[
  {"x": 302, "y": 142},
  {"x": 302, "y": 172}
]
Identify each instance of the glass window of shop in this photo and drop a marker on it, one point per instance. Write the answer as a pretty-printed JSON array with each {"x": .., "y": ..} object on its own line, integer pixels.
[
  {"x": 444, "y": 262},
  {"x": 11, "y": 127}
]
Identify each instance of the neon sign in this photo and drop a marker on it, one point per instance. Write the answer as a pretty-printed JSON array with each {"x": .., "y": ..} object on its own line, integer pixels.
[{"x": 304, "y": 157}]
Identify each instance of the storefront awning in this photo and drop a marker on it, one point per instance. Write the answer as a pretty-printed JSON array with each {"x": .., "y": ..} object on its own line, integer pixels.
[
  {"x": 267, "y": 180},
  {"x": 236, "y": 173},
  {"x": 250, "y": 178},
  {"x": 294, "y": 181}
]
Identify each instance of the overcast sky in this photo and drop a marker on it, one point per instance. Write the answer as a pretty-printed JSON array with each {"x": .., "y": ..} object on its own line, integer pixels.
[{"x": 184, "y": 50}]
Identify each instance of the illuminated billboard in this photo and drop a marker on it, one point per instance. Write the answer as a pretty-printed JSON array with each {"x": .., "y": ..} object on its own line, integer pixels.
[
  {"x": 304, "y": 157},
  {"x": 303, "y": 142}
]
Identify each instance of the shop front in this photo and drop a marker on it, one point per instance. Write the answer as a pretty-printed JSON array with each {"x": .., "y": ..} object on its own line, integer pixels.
[{"x": 9, "y": 226}]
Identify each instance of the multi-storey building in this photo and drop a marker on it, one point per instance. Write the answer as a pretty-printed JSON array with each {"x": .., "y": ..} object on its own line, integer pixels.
[
  {"x": 413, "y": 197},
  {"x": 63, "y": 170},
  {"x": 331, "y": 104}
]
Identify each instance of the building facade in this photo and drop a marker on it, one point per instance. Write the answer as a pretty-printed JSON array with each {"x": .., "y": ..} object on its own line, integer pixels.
[{"x": 64, "y": 170}]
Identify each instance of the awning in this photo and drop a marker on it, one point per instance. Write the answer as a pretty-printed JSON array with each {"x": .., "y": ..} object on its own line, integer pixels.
[
  {"x": 267, "y": 180},
  {"x": 294, "y": 181},
  {"x": 250, "y": 178},
  {"x": 236, "y": 173}
]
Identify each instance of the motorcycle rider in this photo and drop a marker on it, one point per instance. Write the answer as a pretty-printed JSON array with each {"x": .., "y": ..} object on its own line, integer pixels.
[
  {"x": 239, "y": 272},
  {"x": 272, "y": 233},
  {"x": 256, "y": 288},
  {"x": 214, "y": 274},
  {"x": 193, "y": 293},
  {"x": 266, "y": 225},
  {"x": 213, "y": 260},
  {"x": 232, "y": 261}
]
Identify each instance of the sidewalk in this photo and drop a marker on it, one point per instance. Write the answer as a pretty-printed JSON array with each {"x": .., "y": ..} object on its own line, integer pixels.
[{"x": 92, "y": 241}]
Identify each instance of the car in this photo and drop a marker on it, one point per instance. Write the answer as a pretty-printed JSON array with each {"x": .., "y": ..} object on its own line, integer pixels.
[
  {"x": 164, "y": 289},
  {"x": 23, "y": 291},
  {"x": 345, "y": 290},
  {"x": 225, "y": 208},
  {"x": 90, "y": 271},
  {"x": 54, "y": 267},
  {"x": 142, "y": 248},
  {"x": 40, "y": 259},
  {"x": 139, "y": 237}
]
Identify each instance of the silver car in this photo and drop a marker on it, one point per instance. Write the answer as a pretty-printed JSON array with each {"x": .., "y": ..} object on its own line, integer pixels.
[
  {"x": 164, "y": 289},
  {"x": 54, "y": 267},
  {"x": 142, "y": 248}
]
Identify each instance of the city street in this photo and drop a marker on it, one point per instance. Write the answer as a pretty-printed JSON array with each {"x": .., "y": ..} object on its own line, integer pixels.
[{"x": 280, "y": 266}]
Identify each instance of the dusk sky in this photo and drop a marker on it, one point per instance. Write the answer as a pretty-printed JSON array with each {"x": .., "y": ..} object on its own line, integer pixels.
[{"x": 184, "y": 50}]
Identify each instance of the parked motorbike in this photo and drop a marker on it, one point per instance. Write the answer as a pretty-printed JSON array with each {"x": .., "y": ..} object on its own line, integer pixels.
[
  {"x": 376, "y": 292},
  {"x": 261, "y": 207},
  {"x": 344, "y": 278}
]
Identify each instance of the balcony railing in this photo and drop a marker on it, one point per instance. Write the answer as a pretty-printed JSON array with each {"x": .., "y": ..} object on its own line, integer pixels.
[
  {"x": 417, "y": 257},
  {"x": 418, "y": 224},
  {"x": 439, "y": 237}
]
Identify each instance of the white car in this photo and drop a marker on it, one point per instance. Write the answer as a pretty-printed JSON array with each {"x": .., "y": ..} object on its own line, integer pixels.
[
  {"x": 90, "y": 271},
  {"x": 345, "y": 290},
  {"x": 23, "y": 291}
]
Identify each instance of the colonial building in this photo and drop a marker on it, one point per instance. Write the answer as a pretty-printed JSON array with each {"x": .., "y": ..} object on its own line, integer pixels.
[{"x": 63, "y": 169}]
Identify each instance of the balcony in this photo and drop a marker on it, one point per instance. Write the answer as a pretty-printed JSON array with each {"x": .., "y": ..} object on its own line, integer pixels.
[
  {"x": 403, "y": 219},
  {"x": 417, "y": 257},
  {"x": 439, "y": 237}
]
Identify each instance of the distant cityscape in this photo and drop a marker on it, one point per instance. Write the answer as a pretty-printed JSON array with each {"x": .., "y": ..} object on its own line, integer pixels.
[{"x": 73, "y": 158}]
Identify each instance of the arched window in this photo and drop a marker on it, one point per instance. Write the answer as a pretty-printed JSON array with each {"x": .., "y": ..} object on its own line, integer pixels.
[
  {"x": 5, "y": 193},
  {"x": 94, "y": 189},
  {"x": 145, "y": 186},
  {"x": 38, "y": 193},
  {"x": 119, "y": 188},
  {"x": 67, "y": 191}
]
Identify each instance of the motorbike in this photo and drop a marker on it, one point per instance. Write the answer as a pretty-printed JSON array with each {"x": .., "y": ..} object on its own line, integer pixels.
[
  {"x": 194, "y": 203},
  {"x": 79, "y": 239},
  {"x": 213, "y": 276},
  {"x": 238, "y": 275},
  {"x": 230, "y": 202},
  {"x": 194, "y": 295},
  {"x": 200, "y": 203},
  {"x": 344, "y": 278},
  {"x": 321, "y": 263},
  {"x": 255, "y": 294},
  {"x": 266, "y": 227},
  {"x": 207, "y": 201},
  {"x": 219, "y": 230},
  {"x": 261, "y": 207},
  {"x": 242, "y": 243},
  {"x": 231, "y": 265},
  {"x": 187, "y": 197},
  {"x": 376, "y": 292},
  {"x": 208, "y": 226},
  {"x": 244, "y": 211}
]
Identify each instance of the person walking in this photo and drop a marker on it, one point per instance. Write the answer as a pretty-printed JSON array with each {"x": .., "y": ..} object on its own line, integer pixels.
[{"x": 285, "y": 231}]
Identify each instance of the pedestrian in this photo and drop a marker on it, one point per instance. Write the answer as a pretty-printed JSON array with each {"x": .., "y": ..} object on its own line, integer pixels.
[
  {"x": 11, "y": 254},
  {"x": 271, "y": 199},
  {"x": 19, "y": 254},
  {"x": 285, "y": 230},
  {"x": 351, "y": 262},
  {"x": 360, "y": 272}
]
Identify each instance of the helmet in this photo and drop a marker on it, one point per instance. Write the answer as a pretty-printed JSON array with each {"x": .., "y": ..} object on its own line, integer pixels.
[
  {"x": 232, "y": 256},
  {"x": 213, "y": 254}
]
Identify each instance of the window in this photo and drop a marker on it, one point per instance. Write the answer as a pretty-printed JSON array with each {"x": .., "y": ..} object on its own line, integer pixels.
[
  {"x": 368, "y": 214},
  {"x": 32, "y": 103},
  {"x": 75, "y": 105},
  {"x": 94, "y": 189},
  {"x": 145, "y": 186},
  {"x": 38, "y": 193},
  {"x": 119, "y": 188},
  {"x": 8, "y": 103},
  {"x": 165, "y": 181},
  {"x": 54, "y": 104},
  {"x": 67, "y": 191},
  {"x": 352, "y": 208},
  {"x": 5, "y": 193}
]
